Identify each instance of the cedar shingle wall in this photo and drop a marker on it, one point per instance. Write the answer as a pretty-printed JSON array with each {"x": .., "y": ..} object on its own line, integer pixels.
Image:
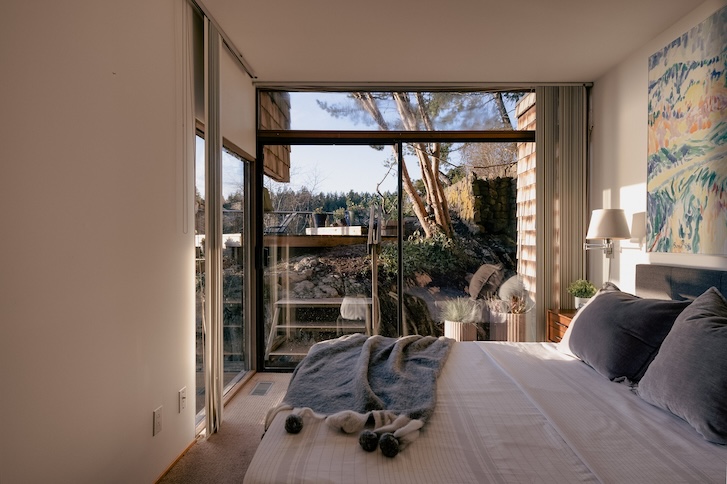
[
  {"x": 525, "y": 111},
  {"x": 275, "y": 114}
]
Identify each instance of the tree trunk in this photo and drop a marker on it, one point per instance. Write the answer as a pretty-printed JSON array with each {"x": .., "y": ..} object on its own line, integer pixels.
[
  {"x": 428, "y": 164},
  {"x": 500, "y": 102}
]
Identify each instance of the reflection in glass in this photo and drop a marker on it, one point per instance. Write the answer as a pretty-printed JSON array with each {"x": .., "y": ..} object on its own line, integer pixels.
[
  {"x": 347, "y": 111},
  {"x": 234, "y": 361},
  {"x": 464, "y": 207},
  {"x": 318, "y": 260}
]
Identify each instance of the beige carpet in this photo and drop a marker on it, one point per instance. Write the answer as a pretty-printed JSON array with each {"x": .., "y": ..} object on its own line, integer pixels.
[{"x": 224, "y": 457}]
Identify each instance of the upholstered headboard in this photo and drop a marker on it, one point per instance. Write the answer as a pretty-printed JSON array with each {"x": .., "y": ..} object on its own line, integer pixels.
[{"x": 675, "y": 282}]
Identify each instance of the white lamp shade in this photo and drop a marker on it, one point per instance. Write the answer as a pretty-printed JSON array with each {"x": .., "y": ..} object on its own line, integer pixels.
[{"x": 608, "y": 223}]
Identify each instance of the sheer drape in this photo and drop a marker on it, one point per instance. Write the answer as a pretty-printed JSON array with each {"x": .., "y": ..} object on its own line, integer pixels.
[
  {"x": 561, "y": 146},
  {"x": 213, "y": 233}
]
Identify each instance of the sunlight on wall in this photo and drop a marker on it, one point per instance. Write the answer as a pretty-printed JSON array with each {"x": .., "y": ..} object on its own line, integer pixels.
[
  {"x": 632, "y": 251},
  {"x": 628, "y": 253},
  {"x": 605, "y": 199}
]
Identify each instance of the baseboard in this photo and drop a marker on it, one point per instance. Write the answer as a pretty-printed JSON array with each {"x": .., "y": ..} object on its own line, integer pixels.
[
  {"x": 200, "y": 428},
  {"x": 169, "y": 467}
]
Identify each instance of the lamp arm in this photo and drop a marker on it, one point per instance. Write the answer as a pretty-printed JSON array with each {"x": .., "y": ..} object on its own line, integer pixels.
[
  {"x": 606, "y": 246},
  {"x": 594, "y": 246}
]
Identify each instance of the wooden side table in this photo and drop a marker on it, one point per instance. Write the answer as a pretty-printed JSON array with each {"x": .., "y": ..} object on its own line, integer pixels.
[{"x": 558, "y": 321}]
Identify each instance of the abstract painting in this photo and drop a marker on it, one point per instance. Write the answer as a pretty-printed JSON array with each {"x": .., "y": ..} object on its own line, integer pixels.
[{"x": 687, "y": 145}]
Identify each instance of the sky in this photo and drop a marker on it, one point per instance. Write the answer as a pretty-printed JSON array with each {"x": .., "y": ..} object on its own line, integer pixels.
[
  {"x": 322, "y": 169},
  {"x": 331, "y": 169},
  {"x": 340, "y": 168}
]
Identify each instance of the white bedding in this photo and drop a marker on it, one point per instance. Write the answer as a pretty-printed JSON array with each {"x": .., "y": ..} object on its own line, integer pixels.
[{"x": 508, "y": 412}]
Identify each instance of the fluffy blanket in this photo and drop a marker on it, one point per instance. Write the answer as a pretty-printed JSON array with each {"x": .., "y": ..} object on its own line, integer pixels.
[{"x": 355, "y": 380}]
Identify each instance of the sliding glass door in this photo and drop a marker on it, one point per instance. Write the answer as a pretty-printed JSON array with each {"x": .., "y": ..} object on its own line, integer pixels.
[
  {"x": 330, "y": 249},
  {"x": 452, "y": 228},
  {"x": 235, "y": 271}
]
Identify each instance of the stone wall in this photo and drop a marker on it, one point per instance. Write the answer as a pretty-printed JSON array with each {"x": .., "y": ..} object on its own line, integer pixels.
[{"x": 487, "y": 206}]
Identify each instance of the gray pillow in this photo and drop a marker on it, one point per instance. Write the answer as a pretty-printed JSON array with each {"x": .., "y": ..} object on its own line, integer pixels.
[
  {"x": 564, "y": 344},
  {"x": 618, "y": 334},
  {"x": 688, "y": 377}
]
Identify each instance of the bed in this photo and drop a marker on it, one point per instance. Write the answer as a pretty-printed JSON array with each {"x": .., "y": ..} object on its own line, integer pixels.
[{"x": 534, "y": 412}]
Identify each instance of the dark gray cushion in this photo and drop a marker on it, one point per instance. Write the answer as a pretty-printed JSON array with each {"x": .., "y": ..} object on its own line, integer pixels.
[
  {"x": 618, "y": 334},
  {"x": 688, "y": 377},
  {"x": 564, "y": 344}
]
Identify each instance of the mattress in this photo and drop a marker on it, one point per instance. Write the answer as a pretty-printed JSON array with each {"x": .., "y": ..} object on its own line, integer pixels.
[{"x": 508, "y": 413}]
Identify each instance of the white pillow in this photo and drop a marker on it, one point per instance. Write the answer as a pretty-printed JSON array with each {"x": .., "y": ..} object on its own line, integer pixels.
[
  {"x": 511, "y": 287},
  {"x": 354, "y": 308},
  {"x": 564, "y": 345}
]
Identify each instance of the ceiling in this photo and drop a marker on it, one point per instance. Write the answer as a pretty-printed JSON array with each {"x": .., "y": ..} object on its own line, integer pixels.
[{"x": 457, "y": 42}]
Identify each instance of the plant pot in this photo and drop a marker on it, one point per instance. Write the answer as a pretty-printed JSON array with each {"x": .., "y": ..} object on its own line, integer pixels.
[
  {"x": 460, "y": 331},
  {"x": 516, "y": 327},
  {"x": 319, "y": 219},
  {"x": 581, "y": 301},
  {"x": 508, "y": 326}
]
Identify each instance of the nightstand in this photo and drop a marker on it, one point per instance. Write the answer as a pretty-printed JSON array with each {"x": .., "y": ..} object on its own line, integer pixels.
[{"x": 558, "y": 321}]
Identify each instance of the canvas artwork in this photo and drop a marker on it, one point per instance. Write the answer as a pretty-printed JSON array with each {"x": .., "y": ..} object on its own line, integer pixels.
[{"x": 687, "y": 145}]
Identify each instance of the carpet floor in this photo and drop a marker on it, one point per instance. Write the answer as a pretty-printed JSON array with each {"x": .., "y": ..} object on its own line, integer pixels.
[{"x": 225, "y": 456}]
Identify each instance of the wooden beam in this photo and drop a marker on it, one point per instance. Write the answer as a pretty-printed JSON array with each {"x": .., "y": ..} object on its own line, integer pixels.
[{"x": 309, "y": 137}]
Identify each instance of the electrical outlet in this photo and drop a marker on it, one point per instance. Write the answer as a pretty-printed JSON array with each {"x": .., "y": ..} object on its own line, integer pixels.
[
  {"x": 182, "y": 399},
  {"x": 157, "y": 420}
]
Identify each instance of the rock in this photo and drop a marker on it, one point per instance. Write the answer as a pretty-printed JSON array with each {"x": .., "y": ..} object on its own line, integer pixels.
[
  {"x": 303, "y": 287},
  {"x": 324, "y": 290},
  {"x": 295, "y": 277}
]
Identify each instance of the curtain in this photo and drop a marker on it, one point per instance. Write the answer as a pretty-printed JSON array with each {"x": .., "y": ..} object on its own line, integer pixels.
[
  {"x": 213, "y": 233},
  {"x": 186, "y": 120},
  {"x": 561, "y": 194}
]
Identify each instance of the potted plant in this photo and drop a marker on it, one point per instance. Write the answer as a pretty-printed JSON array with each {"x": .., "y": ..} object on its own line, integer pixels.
[
  {"x": 319, "y": 217},
  {"x": 508, "y": 318},
  {"x": 339, "y": 215},
  {"x": 582, "y": 290},
  {"x": 457, "y": 315}
]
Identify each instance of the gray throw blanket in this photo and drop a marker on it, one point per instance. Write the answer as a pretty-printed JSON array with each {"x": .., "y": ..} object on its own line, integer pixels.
[{"x": 355, "y": 380}]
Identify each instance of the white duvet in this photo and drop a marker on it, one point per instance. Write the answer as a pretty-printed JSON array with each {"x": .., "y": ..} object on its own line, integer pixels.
[{"x": 508, "y": 413}]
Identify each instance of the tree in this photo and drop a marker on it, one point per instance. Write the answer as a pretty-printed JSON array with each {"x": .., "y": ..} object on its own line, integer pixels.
[{"x": 420, "y": 111}]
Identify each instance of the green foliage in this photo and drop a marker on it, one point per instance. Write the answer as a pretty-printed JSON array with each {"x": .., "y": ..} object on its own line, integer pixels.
[
  {"x": 286, "y": 199},
  {"x": 339, "y": 214},
  {"x": 439, "y": 256},
  {"x": 581, "y": 288}
]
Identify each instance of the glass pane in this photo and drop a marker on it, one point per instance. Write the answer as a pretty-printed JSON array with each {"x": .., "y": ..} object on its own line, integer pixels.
[
  {"x": 199, "y": 267},
  {"x": 388, "y": 111},
  {"x": 486, "y": 190},
  {"x": 233, "y": 262},
  {"x": 319, "y": 266},
  {"x": 233, "y": 328}
]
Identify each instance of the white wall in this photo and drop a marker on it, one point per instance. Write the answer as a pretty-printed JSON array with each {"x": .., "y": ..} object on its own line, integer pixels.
[
  {"x": 96, "y": 281},
  {"x": 618, "y": 170}
]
